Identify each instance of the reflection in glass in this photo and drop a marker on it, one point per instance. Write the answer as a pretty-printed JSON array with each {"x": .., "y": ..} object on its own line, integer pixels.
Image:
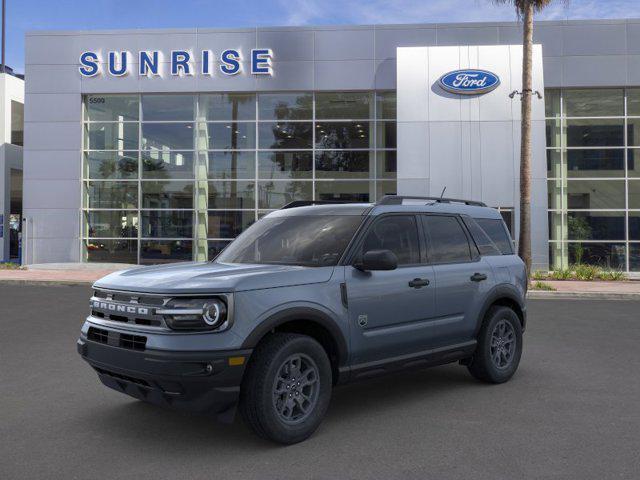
[
  {"x": 595, "y": 133},
  {"x": 633, "y": 102},
  {"x": 386, "y": 105},
  {"x": 167, "y": 224},
  {"x": 227, "y": 136},
  {"x": 111, "y": 224},
  {"x": 554, "y": 164},
  {"x": 387, "y": 164},
  {"x": 228, "y": 224},
  {"x": 596, "y": 226},
  {"x": 227, "y": 106},
  {"x": 285, "y": 106},
  {"x": 111, "y": 108},
  {"x": 347, "y": 105},
  {"x": 386, "y": 187},
  {"x": 112, "y": 251},
  {"x": 344, "y": 164},
  {"x": 595, "y": 163},
  {"x": 342, "y": 135},
  {"x": 554, "y": 191},
  {"x": 216, "y": 246},
  {"x": 633, "y": 162},
  {"x": 167, "y": 164},
  {"x": 277, "y": 194},
  {"x": 595, "y": 194},
  {"x": 170, "y": 194},
  {"x": 634, "y": 225},
  {"x": 111, "y": 165},
  {"x": 557, "y": 230},
  {"x": 168, "y": 107},
  {"x": 353, "y": 191},
  {"x": 600, "y": 102},
  {"x": 386, "y": 135},
  {"x": 165, "y": 251},
  {"x": 229, "y": 164},
  {"x": 283, "y": 165},
  {"x": 111, "y": 136},
  {"x": 231, "y": 195},
  {"x": 552, "y": 103},
  {"x": 633, "y": 132},
  {"x": 285, "y": 135},
  {"x": 167, "y": 136},
  {"x": 634, "y": 257},
  {"x": 634, "y": 194},
  {"x": 121, "y": 195},
  {"x": 554, "y": 133},
  {"x": 610, "y": 256}
]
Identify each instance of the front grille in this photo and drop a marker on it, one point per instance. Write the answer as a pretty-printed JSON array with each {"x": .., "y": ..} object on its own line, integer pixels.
[
  {"x": 133, "y": 342},
  {"x": 122, "y": 340},
  {"x": 128, "y": 308},
  {"x": 98, "y": 335}
]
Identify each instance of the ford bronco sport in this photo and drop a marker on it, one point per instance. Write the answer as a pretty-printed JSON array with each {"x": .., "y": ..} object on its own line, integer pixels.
[{"x": 311, "y": 296}]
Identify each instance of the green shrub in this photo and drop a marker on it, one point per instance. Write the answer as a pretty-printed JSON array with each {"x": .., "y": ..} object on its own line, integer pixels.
[
  {"x": 9, "y": 266},
  {"x": 542, "y": 286},
  {"x": 539, "y": 275},
  {"x": 612, "y": 275},
  {"x": 562, "y": 274},
  {"x": 587, "y": 272}
]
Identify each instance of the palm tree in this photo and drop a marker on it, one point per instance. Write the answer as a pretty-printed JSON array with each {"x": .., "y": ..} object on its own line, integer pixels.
[{"x": 525, "y": 10}]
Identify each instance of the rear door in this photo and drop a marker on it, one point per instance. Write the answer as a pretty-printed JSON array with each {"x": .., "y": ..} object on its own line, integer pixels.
[{"x": 461, "y": 277}]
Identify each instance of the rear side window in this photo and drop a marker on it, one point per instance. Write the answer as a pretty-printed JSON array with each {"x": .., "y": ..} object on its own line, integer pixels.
[
  {"x": 485, "y": 245},
  {"x": 447, "y": 241},
  {"x": 397, "y": 233},
  {"x": 497, "y": 232}
]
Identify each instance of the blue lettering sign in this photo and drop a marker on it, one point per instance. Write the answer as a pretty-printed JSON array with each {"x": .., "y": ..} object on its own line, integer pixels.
[
  {"x": 230, "y": 62},
  {"x": 180, "y": 62},
  {"x": 206, "y": 62},
  {"x": 117, "y": 67},
  {"x": 469, "y": 82},
  {"x": 261, "y": 61},
  {"x": 149, "y": 63},
  {"x": 89, "y": 64}
]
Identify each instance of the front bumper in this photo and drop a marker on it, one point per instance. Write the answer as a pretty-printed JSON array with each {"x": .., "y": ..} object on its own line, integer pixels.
[{"x": 202, "y": 382}]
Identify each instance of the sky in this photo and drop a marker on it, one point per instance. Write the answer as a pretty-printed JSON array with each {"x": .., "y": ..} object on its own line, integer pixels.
[{"x": 26, "y": 15}]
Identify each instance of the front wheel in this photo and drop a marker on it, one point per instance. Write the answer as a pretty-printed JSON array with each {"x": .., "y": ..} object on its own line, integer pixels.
[
  {"x": 287, "y": 388},
  {"x": 499, "y": 346}
]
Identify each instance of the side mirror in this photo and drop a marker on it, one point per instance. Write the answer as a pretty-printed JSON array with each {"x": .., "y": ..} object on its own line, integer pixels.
[{"x": 377, "y": 260}]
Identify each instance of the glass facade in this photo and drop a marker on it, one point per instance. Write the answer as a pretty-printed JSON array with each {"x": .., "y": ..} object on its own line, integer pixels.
[
  {"x": 593, "y": 174},
  {"x": 171, "y": 177}
]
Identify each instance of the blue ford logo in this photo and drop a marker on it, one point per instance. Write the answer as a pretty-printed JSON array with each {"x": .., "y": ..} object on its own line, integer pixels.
[{"x": 469, "y": 82}]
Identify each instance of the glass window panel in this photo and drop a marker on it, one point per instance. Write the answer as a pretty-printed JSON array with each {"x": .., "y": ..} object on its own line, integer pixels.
[
  {"x": 633, "y": 132},
  {"x": 595, "y": 133},
  {"x": 276, "y": 194},
  {"x": 634, "y": 194},
  {"x": 556, "y": 230},
  {"x": 167, "y": 224},
  {"x": 165, "y": 251},
  {"x": 111, "y": 108},
  {"x": 167, "y": 136},
  {"x": 229, "y": 164},
  {"x": 507, "y": 218},
  {"x": 284, "y": 165},
  {"x": 387, "y": 164},
  {"x": 343, "y": 135},
  {"x": 554, "y": 163},
  {"x": 595, "y": 163},
  {"x": 227, "y": 106},
  {"x": 215, "y": 247},
  {"x": 122, "y": 195},
  {"x": 17, "y": 123},
  {"x": 349, "y": 105},
  {"x": 397, "y": 233},
  {"x": 111, "y": 224},
  {"x": 598, "y": 102},
  {"x": 353, "y": 191},
  {"x": 111, "y": 136},
  {"x": 386, "y": 105},
  {"x": 633, "y": 162},
  {"x": 596, "y": 226},
  {"x": 111, "y": 165},
  {"x": 611, "y": 256},
  {"x": 225, "y": 194},
  {"x": 168, "y": 107},
  {"x": 344, "y": 164},
  {"x": 227, "y": 136},
  {"x": 595, "y": 194},
  {"x": 285, "y": 135},
  {"x": 285, "y": 106},
  {"x": 552, "y": 103},
  {"x": 167, "y": 164},
  {"x": 634, "y": 225},
  {"x": 448, "y": 242},
  {"x": 228, "y": 224},
  {"x": 554, "y": 133},
  {"x": 554, "y": 191},
  {"x": 112, "y": 251},
  {"x": 386, "y": 187},
  {"x": 633, "y": 101},
  {"x": 634, "y": 257},
  {"x": 171, "y": 194},
  {"x": 386, "y": 136}
]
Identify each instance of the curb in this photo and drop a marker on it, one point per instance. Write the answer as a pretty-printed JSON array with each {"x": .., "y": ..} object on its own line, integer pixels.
[
  {"x": 47, "y": 283},
  {"x": 545, "y": 295}
]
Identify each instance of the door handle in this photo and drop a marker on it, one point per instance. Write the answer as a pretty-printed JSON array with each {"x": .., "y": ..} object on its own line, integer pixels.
[
  {"x": 478, "y": 277},
  {"x": 419, "y": 283}
]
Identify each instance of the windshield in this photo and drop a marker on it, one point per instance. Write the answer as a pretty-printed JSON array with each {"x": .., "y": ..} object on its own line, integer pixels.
[{"x": 311, "y": 241}]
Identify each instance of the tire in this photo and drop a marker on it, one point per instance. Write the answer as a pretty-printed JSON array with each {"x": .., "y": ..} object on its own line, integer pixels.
[
  {"x": 495, "y": 359},
  {"x": 275, "y": 404}
]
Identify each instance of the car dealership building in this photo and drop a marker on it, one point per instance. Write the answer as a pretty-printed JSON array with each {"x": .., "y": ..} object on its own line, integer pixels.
[{"x": 148, "y": 146}]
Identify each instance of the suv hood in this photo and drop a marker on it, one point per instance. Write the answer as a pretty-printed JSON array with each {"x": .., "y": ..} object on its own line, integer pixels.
[{"x": 195, "y": 277}]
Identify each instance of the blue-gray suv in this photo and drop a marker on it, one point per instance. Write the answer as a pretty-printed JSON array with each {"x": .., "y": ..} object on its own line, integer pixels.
[{"x": 311, "y": 296}]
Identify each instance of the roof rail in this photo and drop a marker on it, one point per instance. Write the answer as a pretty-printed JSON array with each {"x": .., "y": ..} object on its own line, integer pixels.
[
  {"x": 307, "y": 203},
  {"x": 398, "y": 199}
]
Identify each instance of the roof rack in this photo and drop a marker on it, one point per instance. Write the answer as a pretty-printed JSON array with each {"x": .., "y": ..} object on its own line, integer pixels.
[
  {"x": 307, "y": 203},
  {"x": 398, "y": 199}
]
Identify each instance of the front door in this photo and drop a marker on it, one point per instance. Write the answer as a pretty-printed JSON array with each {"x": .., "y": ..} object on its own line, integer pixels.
[{"x": 390, "y": 311}]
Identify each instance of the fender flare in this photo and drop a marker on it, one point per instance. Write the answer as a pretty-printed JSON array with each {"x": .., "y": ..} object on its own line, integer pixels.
[
  {"x": 300, "y": 313},
  {"x": 499, "y": 292}
]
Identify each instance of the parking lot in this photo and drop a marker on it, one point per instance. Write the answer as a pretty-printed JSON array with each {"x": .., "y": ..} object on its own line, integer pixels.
[{"x": 572, "y": 410}]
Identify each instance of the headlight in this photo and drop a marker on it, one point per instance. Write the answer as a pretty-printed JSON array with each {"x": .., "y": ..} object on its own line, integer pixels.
[{"x": 195, "y": 314}]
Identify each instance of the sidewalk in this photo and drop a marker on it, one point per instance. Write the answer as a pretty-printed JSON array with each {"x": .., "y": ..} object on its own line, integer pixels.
[
  {"x": 628, "y": 290},
  {"x": 61, "y": 273}
]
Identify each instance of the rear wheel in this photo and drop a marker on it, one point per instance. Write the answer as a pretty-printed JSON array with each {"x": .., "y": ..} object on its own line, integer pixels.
[
  {"x": 499, "y": 346},
  {"x": 287, "y": 388}
]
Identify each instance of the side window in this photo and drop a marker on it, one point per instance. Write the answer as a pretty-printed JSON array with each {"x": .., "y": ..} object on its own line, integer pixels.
[
  {"x": 447, "y": 241},
  {"x": 484, "y": 243},
  {"x": 397, "y": 233},
  {"x": 497, "y": 232}
]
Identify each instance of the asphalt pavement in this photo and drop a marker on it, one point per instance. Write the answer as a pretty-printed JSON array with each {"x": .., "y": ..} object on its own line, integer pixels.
[{"x": 571, "y": 412}]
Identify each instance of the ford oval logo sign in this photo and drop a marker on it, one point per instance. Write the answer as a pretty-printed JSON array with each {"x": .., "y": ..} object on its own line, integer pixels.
[{"x": 469, "y": 82}]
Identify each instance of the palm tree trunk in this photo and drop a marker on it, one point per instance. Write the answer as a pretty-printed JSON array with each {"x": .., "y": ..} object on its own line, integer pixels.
[{"x": 524, "y": 243}]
